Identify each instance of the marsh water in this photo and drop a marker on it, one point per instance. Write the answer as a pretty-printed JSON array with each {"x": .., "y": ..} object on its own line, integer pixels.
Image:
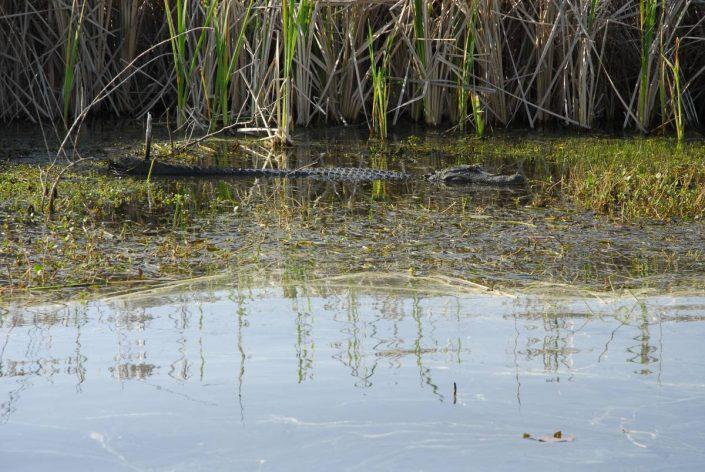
[
  {"x": 108, "y": 230},
  {"x": 311, "y": 325},
  {"x": 352, "y": 373}
]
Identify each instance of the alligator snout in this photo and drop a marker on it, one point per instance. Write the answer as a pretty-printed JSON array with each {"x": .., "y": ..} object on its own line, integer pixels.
[{"x": 474, "y": 174}]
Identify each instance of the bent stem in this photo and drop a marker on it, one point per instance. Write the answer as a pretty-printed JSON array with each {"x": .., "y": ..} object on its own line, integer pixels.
[{"x": 676, "y": 95}]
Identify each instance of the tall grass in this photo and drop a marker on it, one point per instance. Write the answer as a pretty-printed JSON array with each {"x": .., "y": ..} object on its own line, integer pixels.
[
  {"x": 676, "y": 94},
  {"x": 177, "y": 30},
  {"x": 466, "y": 80},
  {"x": 647, "y": 24},
  {"x": 227, "y": 56},
  {"x": 420, "y": 15},
  {"x": 75, "y": 23},
  {"x": 295, "y": 20},
  {"x": 269, "y": 64},
  {"x": 380, "y": 90}
]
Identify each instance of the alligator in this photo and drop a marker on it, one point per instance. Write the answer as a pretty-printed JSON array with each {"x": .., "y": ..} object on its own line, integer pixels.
[{"x": 458, "y": 175}]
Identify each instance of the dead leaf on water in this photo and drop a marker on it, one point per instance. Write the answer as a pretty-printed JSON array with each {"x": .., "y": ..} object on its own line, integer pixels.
[{"x": 558, "y": 436}]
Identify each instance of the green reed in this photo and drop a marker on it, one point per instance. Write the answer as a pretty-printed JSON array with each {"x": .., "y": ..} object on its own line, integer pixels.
[
  {"x": 647, "y": 23},
  {"x": 177, "y": 31},
  {"x": 294, "y": 19},
  {"x": 420, "y": 18},
  {"x": 226, "y": 57},
  {"x": 464, "y": 86},
  {"x": 380, "y": 87},
  {"x": 75, "y": 25},
  {"x": 676, "y": 94}
]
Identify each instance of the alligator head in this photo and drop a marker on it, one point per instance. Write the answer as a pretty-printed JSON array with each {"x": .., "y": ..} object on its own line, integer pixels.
[{"x": 474, "y": 174}]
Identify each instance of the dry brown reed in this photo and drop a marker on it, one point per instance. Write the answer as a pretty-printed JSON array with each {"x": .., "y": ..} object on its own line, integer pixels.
[{"x": 583, "y": 63}]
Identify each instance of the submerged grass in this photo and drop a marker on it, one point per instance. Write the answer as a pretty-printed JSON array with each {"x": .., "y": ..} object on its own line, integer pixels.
[{"x": 107, "y": 231}]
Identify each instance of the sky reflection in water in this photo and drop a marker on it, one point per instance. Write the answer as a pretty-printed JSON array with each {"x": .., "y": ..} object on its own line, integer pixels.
[{"x": 347, "y": 378}]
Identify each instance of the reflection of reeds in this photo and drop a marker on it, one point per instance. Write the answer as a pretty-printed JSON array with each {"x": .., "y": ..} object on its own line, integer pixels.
[{"x": 270, "y": 64}]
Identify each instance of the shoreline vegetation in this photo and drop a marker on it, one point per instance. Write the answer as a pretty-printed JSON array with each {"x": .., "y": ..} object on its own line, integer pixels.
[
  {"x": 601, "y": 214},
  {"x": 459, "y": 69},
  {"x": 276, "y": 65}
]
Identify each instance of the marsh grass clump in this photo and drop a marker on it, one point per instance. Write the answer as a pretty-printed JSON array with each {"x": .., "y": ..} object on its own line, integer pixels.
[
  {"x": 648, "y": 180},
  {"x": 85, "y": 193},
  {"x": 380, "y": 88},
  {"x": 91, "y": 194},
  {"x": 629, "y": 178},
  {"x": 103, "y": 230}
]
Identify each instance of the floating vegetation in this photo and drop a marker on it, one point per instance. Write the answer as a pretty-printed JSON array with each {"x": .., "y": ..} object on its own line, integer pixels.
[{"x": 600, "y": 213}]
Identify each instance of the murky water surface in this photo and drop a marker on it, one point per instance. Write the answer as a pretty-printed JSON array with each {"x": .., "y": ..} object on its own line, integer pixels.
[{"x": 353, "y": 376}]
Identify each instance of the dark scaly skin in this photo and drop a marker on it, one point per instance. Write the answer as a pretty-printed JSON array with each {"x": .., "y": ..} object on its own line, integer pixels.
[
  {"x": 460, "y": 175},
  {"x": 474, "y": 174}
]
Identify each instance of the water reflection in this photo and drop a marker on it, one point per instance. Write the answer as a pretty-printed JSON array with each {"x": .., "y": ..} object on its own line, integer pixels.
[
  {"x": 170, "y": 335},
  {"x": 248, "y": 354}
]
